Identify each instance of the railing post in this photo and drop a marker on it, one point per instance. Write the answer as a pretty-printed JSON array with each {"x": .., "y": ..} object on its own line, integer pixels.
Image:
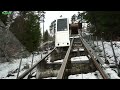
[
  {"x": 93, "y": 40},
  {"x": 32, "y": 59},
  {"x": 90, "y": 40},
  {"x": 29, "y": 76},
  {"x": 104, "y": 51},
  {"x": 19, "y": 68},
  {"x": 97, "y": 41},
  {"x": 87, "y": 38},
  {"x": 106, "y": 61},
  {"x": 41, "y": 55},
  {"x": 115, "y": 58}
]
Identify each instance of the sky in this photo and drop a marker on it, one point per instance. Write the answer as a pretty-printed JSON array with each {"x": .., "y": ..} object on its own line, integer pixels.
[{"x": 52, "y": 15}]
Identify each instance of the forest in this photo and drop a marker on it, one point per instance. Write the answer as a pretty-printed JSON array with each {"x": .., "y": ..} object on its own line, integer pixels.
[
  {"x": 106, "y": 23},
  {"x": 21, "y": 34}
]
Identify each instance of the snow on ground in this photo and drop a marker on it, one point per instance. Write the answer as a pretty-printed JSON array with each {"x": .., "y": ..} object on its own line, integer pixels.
[
  {"x": 95, "y": 75},
  {"x": 92, "y": 75},
  {"x": 80, "y": 49},
  {"x": 108, "y": 50},
  {"x": 81, "y": 58},
  {"x": 83, "y": 76},
  {"x": 8, "y": 67},
  {"x": 75, "y": 36},
  {"x": 58, "y": 61},
  {"x": 79, "y": 76},
  {"x": 112, "y": 72},
  {"x": 50, "y": 78}
]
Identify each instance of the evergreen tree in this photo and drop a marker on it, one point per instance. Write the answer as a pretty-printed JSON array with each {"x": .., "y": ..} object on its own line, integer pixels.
[
  {"x": 73, "y": 18},
  {"x": 26, "y": 28},
  {"x": 33, "y": 31},
  {"x": 79, "y": 15},
  {"x": 104, "y": 21},
  {"x": 46, "y": 36}
]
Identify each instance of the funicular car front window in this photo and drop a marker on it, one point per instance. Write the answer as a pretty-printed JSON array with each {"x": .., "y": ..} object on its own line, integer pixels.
[{"x": 61, "y": 24}]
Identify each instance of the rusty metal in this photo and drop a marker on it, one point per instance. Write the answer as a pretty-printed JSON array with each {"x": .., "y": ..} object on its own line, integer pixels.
[
  {"x": 94, "y": 58},
  {"x": 92, "y": 51},
  {"x": 65, "y": 60}
]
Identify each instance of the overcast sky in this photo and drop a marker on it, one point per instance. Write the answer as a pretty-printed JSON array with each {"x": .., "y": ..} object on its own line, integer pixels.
[{"x": 52, "y": 15}]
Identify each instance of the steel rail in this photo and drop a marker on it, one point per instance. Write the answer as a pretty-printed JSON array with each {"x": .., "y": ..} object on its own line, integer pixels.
[
  {"x": 94, "y": 57},
  {"x": 93, "y": 52},
  {"x": 65, "y": 60},
  {"x": 29, "y": 70}
]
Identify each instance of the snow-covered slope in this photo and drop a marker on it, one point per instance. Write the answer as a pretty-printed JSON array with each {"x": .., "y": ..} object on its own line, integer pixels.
[
  {"x": 108, "y": 50},
  {"x": 8, "y": 67}
]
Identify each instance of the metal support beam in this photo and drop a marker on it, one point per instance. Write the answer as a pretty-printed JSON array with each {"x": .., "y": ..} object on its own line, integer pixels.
[{"x": 65, "y": 60}]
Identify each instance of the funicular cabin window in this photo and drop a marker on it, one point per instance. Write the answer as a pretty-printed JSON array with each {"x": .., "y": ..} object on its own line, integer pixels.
[{"x": 62, "y": 25}]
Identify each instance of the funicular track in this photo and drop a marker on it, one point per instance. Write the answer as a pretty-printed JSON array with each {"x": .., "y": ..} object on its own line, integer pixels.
[
  {"x": 64, "y": 70},
  {"x": 96, "y": 60}
]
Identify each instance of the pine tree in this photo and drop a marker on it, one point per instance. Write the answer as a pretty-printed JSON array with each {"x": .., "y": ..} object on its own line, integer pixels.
[
  {"x": 34, "y": 31},
  {"x": 46, "y": 36},
  {"x": 104, "y": 21},
  {"x": 73, "y": 18},
  {"x": 26, "y": 28}
]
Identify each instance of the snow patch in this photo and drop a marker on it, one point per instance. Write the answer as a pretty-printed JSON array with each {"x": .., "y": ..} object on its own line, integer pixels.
[
  {"x": 7, "y": 67},
  {"x": 81, "y": 58},
  {"x": 83, "y": 76}
]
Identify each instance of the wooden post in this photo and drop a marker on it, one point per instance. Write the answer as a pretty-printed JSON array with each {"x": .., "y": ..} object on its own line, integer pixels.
[{"x": 19, "y": 68}]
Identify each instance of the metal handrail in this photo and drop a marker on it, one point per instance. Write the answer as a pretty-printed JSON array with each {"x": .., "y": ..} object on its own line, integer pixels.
[{"x": 29, "y": 70}]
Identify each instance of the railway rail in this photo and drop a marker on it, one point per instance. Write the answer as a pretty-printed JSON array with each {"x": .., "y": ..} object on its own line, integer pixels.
[
  {"x": 62, "y": 74},
  {"x": 34, "y": 66}
]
